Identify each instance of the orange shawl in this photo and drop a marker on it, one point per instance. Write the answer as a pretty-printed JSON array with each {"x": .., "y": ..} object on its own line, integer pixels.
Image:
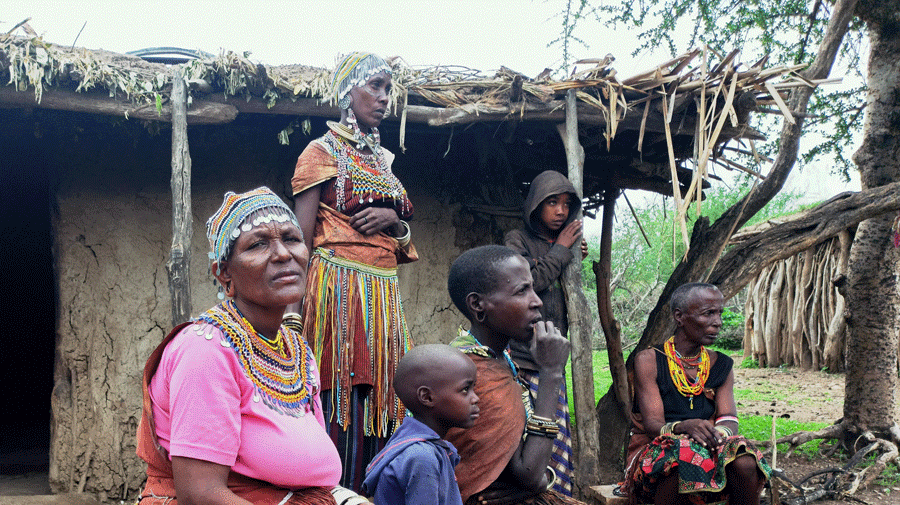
[
  {"x": 486, "y": 448},
  {"x": 333, "y": 231}
]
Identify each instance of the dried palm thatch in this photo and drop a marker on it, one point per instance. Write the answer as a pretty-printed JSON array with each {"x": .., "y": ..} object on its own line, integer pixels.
[{"x": 718, "y": 96}]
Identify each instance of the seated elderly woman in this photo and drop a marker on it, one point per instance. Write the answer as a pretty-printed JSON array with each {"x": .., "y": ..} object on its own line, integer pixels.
[
  {"x": 231, "y": 399},
  {"x": 685, "y": 446},
  {"x": 504, "y": 456}
]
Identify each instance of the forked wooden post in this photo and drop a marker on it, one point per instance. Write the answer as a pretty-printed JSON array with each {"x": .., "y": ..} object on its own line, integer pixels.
[
  {"x": 179, "y": 262},
  {"x": 586, "y": 436}
]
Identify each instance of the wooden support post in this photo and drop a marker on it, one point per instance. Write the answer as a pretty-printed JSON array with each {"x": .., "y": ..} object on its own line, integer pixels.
[
  {"x": 586, "y": 435},
  {"x": 179, "y": 262},
  {"x": 611, "y": 327}
]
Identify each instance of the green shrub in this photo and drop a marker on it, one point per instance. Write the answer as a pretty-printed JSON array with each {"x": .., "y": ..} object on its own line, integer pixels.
[
  {"x": 749, "y": 363},
  {"x": 732, "y": 334}
]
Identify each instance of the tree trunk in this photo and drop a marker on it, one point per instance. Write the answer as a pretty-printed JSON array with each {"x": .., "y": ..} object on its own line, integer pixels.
[
  {"x": 616, "y": 404},
  {"x": 873, "y": 290},
  {"x": 707, "y": 241},
  {"x": 833, "y": 352}
]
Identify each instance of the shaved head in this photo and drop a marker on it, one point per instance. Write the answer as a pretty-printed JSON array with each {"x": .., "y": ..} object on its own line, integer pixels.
[
  {"x": 428, "y": 365},
  {"x": 684, "y": 294}
]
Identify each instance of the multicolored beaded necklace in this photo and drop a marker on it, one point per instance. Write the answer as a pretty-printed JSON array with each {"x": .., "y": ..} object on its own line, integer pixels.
[
  {"x": 280, "y": 368},
  {"x": 487, "y": 352},
  {"x": 509, "y": 361},
  {"x": 369, "y": 174},
  {"x": 687, "y": 387}
]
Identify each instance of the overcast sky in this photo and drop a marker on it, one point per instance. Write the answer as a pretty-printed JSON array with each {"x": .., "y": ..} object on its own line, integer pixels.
[
  {"x": 479, "y": 34},
  {"x": 482, "y": 34}
]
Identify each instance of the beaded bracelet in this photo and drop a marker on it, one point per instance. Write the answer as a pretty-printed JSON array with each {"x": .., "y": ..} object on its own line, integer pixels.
[
  {"x": 541, "y": 422},
  {"x": 542, "y": 426},
  {"x": 344, "y": 496},
  {"x": 545, "y": 434},
  {"x": 725, "y": 419},
  {"x": 724, "y": 430}
]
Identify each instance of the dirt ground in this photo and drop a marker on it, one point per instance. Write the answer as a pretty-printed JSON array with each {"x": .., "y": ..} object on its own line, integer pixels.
[{"x": 806, "y": 397}]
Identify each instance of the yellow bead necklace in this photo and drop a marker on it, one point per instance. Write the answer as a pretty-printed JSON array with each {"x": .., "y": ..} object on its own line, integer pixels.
[{"x": 683, "y": 384}]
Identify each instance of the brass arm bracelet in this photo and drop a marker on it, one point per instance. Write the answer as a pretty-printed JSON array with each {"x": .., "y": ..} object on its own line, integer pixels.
[
  {"x": 293, "y": 321},
  {"x": 405, "y": 238}
]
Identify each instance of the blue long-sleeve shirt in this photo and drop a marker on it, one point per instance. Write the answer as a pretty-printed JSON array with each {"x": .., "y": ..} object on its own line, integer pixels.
[{"x": 415, "y": 468}]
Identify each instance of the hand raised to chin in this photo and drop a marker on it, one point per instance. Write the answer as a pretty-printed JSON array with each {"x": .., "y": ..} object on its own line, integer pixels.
[{"x": 549, "y": 348}]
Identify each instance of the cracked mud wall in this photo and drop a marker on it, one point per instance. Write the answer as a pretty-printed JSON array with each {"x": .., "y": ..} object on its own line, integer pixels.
[{"x": 112, "y": 237}]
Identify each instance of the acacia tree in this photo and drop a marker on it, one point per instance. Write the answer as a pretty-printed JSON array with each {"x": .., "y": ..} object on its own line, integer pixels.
[{"x": 872, "y": 286}]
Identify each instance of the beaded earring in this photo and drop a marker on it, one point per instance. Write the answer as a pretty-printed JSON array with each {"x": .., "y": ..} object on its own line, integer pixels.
[
  {"x": 373, "y": 139},
  {"x": 344, "y": 103}
]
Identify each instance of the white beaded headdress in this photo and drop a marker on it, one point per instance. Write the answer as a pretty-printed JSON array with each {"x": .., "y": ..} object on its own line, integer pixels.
[
  {"x": 224, "y": 227},
  {"x": 352, "y": 71}
]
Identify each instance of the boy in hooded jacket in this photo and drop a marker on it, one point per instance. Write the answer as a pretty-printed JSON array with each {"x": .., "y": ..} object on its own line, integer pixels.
[{"x": 545, "y": 242}]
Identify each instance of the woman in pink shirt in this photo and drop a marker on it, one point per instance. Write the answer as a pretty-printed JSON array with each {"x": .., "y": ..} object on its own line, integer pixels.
[{"x": 231, "y": 399}]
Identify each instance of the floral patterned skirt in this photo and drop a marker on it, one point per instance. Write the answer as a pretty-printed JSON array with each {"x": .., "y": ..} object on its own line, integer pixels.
[{"x": 701, "y": 471}]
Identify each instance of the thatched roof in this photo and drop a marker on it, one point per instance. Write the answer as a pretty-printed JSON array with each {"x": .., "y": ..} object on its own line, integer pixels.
[{"x": 647, "y": 124}]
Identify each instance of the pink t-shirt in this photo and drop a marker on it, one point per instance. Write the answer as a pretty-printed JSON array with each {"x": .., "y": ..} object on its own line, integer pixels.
[{"x": 205, "y": 407}]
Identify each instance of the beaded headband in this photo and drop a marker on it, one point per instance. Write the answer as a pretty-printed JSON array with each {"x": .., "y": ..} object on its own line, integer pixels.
[
  {"x": 224, "y": 227},
  {"x": 354, "y": 70}
]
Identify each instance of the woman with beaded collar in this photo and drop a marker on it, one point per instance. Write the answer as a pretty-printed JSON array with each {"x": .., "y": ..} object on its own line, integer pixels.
[
  {"x": 353, "y": 212},
  {"x": 684, "y": 445},
  {"x": 231, "y": 412}
]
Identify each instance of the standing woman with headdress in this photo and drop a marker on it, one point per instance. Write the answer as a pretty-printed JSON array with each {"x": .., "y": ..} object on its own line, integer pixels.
[{"x": 353, "y": 212}]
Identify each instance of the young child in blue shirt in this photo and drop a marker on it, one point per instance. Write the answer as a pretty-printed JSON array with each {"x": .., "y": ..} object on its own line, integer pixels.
[{"x": 435, "y": 382}]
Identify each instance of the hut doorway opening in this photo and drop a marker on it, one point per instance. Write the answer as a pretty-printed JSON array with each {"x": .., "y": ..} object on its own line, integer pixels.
[{"x": 28, "y": 338}]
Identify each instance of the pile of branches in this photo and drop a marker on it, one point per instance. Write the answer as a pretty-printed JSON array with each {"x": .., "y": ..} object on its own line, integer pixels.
[{"x": 836, "y": 482}]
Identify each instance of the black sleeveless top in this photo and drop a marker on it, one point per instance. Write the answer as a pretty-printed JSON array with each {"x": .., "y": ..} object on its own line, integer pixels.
[{"x": 678, "y": 407}]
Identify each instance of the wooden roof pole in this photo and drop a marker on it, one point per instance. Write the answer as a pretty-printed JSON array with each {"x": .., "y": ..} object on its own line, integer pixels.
[
  {"x": 179, "y": 262},
  {"x": 586, "y": 435}
]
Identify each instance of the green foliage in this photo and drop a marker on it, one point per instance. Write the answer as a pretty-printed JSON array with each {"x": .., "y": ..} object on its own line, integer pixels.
[
  {"x": 890, "y": 477},
  {"x": 749, "y": 363},
  {"x": 641, "y": 269},
  {"x": 786, "y": 32},
  {"x": 731, "y": 336}
]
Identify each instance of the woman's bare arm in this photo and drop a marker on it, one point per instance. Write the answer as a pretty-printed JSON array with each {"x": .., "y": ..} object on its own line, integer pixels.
[
  {"x": 551, "y": 351},
  {"x": 306, "y": 205},
  {"x": 646, "y": 392},
  {"x": 199, "y": 482}
]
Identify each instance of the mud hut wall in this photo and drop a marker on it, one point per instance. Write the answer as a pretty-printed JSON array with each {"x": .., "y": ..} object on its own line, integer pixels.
[{"x": 113, "y": 234}]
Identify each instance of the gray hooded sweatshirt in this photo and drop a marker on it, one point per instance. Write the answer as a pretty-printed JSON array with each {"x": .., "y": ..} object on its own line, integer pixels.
[{"x": 546, "y": 258}]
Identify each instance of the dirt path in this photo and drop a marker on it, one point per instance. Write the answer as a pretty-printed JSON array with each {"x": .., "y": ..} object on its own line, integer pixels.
[{"x": 804, "y": 397}]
